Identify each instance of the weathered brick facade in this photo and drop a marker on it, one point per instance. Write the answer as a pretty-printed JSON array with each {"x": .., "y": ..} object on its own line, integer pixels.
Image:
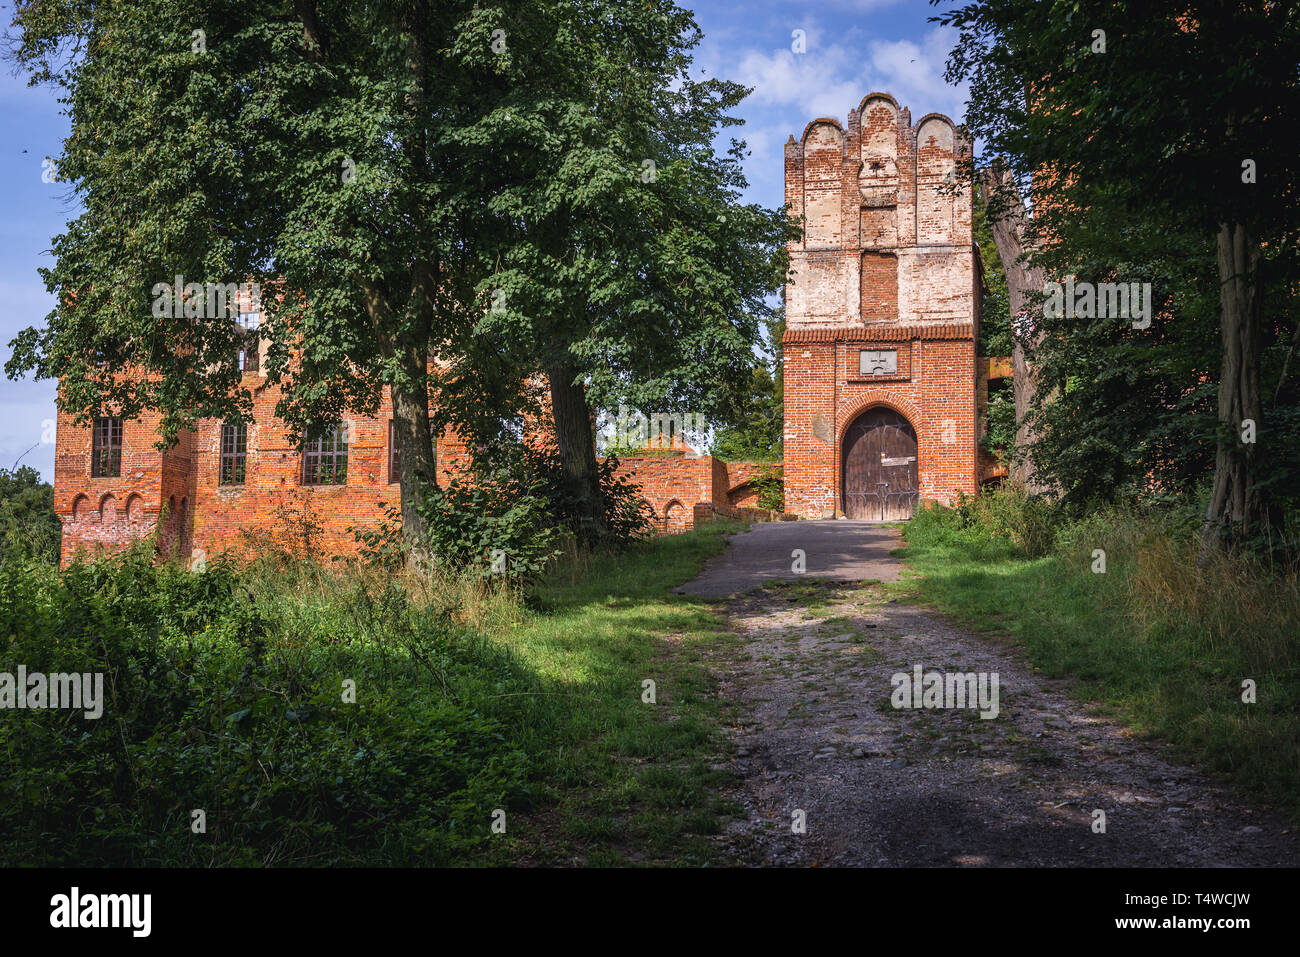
[
  {"x": 181, "y": 485},
  {"x": 182, "y": 488},
  {"x": 887, "y": 265}
]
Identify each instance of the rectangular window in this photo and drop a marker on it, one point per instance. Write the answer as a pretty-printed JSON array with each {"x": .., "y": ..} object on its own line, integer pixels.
[
  {"x": 234, "y": 453},
  {"x": 106, "y": 448},
  {"x": 248, "y": 355},
  {"x": 325, "y": 460}
]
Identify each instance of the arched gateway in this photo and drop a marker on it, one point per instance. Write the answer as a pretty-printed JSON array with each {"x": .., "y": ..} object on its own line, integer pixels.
[{"x": 879, "y": 473}]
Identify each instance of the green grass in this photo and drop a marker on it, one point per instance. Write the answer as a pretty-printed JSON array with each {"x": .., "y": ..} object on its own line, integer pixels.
[
  {"x": 1153, "y": 641},
  {"x": 224, "y": 693},
  {"x": 624, "y": 781}
]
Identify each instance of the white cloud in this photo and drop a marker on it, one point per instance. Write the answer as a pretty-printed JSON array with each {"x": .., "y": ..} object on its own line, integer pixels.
[
  {"x": 834, "y": 74},
  {"x": 914, "y": 74}
]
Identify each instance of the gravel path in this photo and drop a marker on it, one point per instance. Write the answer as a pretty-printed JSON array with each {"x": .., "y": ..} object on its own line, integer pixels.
[
  {"x": 840, "y": 549},
  {"x": 879, "y": 786}
]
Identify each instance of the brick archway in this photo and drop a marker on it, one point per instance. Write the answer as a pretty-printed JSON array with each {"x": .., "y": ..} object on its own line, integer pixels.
[
  {"x": 866, "y": 401},
  {"x": 879, "y": 478},
  {"x": 674, "y": 517},
  {"x": 873, "y": 397}
]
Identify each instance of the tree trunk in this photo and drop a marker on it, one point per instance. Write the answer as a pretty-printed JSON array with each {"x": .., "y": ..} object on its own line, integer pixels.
[
  {"x": 412, "y": 432},
  {"x": 413, "y": 436},
  {"x": 575, "y": 439},
  {"x": 1007, "y": 219},
  {"x": 1237, "y": 507}
]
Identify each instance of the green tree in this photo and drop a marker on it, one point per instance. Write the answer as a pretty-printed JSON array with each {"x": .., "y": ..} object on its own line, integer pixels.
[
  {"x": 626, "y": 268},
  {"x": 1092, "y": 102},
  {"x": 753, "y": 423},
  {"x": 995, "y": 337},
  {"x": 28, "y": 526}
]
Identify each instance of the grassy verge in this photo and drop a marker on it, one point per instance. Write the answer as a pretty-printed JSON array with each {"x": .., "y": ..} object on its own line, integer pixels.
[
  {"x": 1158, "y": 643},
  {"x": 294, "y": 715},
  {"x": 630, "y": 781}
]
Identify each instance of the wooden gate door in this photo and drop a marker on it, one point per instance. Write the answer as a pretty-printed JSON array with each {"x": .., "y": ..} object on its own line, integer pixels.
[{"x": 879, "y": 475}]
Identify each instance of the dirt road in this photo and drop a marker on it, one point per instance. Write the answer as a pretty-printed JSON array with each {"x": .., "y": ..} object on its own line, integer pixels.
[{"x": 811, "y": 685}]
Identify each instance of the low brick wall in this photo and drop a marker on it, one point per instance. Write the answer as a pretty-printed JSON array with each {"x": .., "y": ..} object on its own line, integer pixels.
[
  {"x": 706, "y": 512},
  {"x": 741, "y": 491},
  {"x": 673, "y": 483}
]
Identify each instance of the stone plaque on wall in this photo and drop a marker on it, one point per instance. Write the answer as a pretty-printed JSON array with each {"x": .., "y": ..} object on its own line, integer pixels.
[
  {"x": 878, "y": 362},
  {"x": 821, "y": 428}
]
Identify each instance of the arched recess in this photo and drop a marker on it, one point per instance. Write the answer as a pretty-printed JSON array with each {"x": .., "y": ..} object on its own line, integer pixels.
[
  {"x": 823, "y": 164},
  {"x": 183, "y": 527},
  {"x": 878, "y": 177},
  {"x": 873, "y": 397},
  {"x": 80, "y": 508},
  {"x": 167, "y": 537},
  {"x": 674, "y": 517},
  {"x": 879, "y": 476},
  {"x": 743, "y": 495},
  {"x": 108, "y": 509},
  {"x": 936, "y": 168},
  {"x": 134, "y": 509}
]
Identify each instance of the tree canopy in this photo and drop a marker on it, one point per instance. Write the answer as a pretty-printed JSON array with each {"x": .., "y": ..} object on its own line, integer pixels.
[{"x": 1156, "y": 140}]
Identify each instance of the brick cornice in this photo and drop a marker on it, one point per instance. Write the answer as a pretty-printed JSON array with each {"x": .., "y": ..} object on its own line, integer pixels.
[{"x": 879, "y": 333}]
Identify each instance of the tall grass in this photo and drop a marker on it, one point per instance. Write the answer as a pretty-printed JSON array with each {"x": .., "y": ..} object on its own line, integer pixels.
[
  {"x": 227, "y": 694},
  {"x": 1157, "y": 639}
]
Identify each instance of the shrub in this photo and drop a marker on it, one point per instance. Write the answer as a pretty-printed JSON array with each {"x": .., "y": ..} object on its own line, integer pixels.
[
  {"x": 491, "y": 527},
  {"x": 29, "y": 529},
  {"x": 771, "y": 488},
  {"x": 1010, "y": 513},
  {"x": 624, "y": 516},
  {"x": 223, "y": 700}
]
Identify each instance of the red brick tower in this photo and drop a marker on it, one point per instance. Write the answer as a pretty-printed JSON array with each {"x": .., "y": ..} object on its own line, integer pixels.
[{"x": 882, "y": 309}]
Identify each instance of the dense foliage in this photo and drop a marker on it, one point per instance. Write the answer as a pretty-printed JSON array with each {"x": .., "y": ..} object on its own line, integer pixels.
[
  {"x": 232, "y": 703},
  {"x": 1198, "y": 201},
  {"x": 751, "y": 421},
  {"x": 29, "y": 529}
]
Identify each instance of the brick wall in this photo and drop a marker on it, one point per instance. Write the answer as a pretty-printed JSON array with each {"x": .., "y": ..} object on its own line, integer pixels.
[
  {"x": 673, "y": 483},
  {"x": 740, "y": 491},
  {"x": 180, "y": 486}
]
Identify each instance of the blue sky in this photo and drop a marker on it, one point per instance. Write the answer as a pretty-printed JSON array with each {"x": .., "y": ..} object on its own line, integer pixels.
[{"x": 853, "y": 47}]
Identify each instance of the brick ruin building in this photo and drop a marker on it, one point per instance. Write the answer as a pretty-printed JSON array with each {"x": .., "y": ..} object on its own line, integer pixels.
[{"x": 884, "y": 392}]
